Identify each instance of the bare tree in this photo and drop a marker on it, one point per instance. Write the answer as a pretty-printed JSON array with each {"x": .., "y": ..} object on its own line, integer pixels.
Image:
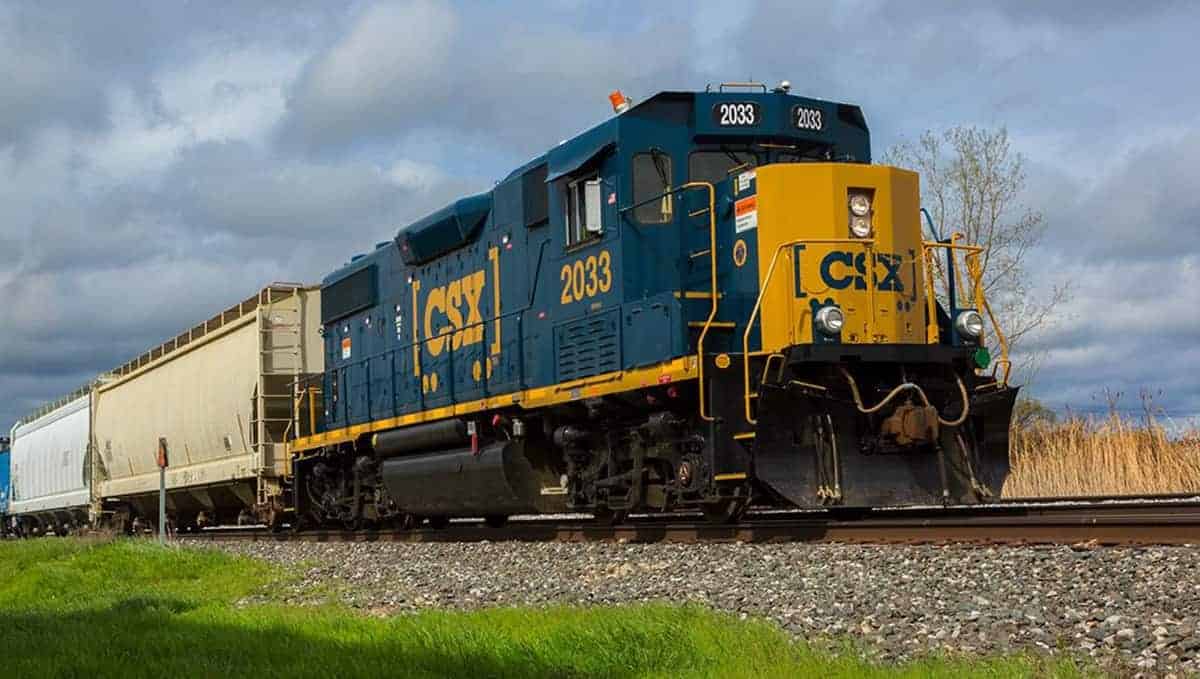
[
  {"x": 971, "y": 183},
  {"x": 1030, "y": 412}
]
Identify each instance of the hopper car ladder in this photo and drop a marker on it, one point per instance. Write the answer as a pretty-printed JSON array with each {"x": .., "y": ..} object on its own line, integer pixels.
[{"x": 280, "y": 366}]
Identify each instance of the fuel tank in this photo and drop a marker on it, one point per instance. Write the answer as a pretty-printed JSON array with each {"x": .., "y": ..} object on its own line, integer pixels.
[{"x": 502, "y": 478}]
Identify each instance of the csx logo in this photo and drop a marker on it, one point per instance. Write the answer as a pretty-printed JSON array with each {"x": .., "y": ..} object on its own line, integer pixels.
[
  {"x": 840, "y": 269},
  {"x": 455, "y": 306},
  {"x": 452, "y": 314}
]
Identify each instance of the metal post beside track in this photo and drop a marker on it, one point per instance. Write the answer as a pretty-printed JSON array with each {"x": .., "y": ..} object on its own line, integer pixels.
[
  {"x": 162, "y": 504},
  {"x": 162, "y": 490}
]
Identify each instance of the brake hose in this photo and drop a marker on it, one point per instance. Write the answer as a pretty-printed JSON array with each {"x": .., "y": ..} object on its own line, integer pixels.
[{"x": 906, "y": 386}]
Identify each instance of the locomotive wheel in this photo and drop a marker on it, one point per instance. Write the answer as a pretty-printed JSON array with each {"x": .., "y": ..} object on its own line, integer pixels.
[
  {"x": 724, "y": 511},
  {"x": 121, "y": 523},
  {"x": 849, "y": 513},
  {"x": 728, "y": 510},
  {"x": 496, "y": 520},
  {"x": 300, "y": 521},
  {"x": 609, "y": 516},
  {"x": 273, "y": 517},
  {"x": 439, "y": 522}
]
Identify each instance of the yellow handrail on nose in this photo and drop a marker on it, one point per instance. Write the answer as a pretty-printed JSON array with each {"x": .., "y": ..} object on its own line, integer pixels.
[
  {"x": 978, "y": 299},
  {"x": 974, "y": 270},
  {"x": 868, "y": 245}
]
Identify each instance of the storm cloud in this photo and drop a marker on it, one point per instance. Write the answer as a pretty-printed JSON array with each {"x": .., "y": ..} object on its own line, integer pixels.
[{"x": 159, "y": 161}]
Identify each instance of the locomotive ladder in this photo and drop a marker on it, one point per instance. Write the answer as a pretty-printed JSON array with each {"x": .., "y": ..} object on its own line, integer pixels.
[
  {"x": 714, "y": 293},
  {"x": 714, "y": 289}
]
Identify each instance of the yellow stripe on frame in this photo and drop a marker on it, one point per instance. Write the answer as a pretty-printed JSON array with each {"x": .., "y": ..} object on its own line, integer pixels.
[{"x": 678, "y": 370}]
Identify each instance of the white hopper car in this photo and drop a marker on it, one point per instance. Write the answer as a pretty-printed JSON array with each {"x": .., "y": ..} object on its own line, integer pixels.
[{"x": 220, "y": 397}]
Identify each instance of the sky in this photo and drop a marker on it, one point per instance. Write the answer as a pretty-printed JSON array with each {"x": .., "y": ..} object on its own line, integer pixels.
[{"x": 160, "y": 161}]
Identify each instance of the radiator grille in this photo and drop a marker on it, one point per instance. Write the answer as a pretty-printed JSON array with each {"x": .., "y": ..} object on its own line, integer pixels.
[{"x": 588, "y": 346}]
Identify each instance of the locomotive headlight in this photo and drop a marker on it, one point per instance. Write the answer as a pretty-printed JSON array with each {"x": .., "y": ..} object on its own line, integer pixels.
[
  {"x": 860, "y": 214},
  {"x": 969, "y": 323},
  {"x": 860, "y": 227},
  {"x": 860, "y": 205},
  {"x": 829, "y": 320}
]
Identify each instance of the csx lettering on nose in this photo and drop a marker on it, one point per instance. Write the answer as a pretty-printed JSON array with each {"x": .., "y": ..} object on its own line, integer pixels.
[{"x": 841, "y": 268}]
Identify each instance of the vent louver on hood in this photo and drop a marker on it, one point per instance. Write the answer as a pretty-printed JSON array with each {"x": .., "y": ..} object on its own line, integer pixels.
[{"x": 447, "y": 229}]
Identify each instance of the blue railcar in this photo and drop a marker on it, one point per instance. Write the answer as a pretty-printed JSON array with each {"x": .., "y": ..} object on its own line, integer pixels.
[
  {"x": 5, "y": 484},
  {"x": 603, "y": 331}
]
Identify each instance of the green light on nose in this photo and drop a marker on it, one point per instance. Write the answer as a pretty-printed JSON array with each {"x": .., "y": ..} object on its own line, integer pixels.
[{"x": 983, "y": 358}]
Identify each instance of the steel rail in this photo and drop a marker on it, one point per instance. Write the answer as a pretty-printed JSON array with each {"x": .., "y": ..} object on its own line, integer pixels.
[{"x": 1161, "y": 523}]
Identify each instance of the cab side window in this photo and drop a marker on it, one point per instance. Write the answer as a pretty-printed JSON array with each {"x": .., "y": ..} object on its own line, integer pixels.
[
  {"x": 584, "y": 216},
  {"x": 651, "y": 182}
]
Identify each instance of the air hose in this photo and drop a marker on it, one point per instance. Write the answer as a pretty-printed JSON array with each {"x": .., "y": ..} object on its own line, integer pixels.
[{"x": 908, "y": 386}]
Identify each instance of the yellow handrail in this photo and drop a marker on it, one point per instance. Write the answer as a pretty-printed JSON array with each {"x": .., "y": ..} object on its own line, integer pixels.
[
  {"x": 978, "y": 298},
  {"x": 928, "y": 246},
  {"x": 976, "y": 272},
  {"x": 868, "y": 245},
  {"x": 932, "y": 335},
  {"x": 312, "y": 410},
  {"x": 954, "y": 238},
  {"x": 716, "y": 294}
]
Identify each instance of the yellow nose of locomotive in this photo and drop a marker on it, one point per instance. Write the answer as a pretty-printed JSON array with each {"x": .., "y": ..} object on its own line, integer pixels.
[{"x": 840, "y": 255}]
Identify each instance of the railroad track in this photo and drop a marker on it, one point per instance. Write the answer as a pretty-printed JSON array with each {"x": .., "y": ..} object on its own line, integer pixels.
[{"x": 1111, "y": 523}]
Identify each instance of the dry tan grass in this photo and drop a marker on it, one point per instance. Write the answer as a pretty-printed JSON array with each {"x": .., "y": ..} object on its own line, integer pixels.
[{"x": 1110, "y": 456}]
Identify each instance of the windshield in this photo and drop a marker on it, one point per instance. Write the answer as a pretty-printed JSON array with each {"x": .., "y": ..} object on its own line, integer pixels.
[{"x": 716, "y": 164}]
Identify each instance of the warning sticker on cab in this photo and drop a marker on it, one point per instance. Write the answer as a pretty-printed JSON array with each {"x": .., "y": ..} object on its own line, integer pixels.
[
  {"x": 745, "y": 213},
  {"x": 345, "y": 348},
  {"x": 743, "y": 181}
]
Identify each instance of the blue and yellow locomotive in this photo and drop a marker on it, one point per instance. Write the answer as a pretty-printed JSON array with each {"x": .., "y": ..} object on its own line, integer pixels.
[{"x": 709, "y": 300}]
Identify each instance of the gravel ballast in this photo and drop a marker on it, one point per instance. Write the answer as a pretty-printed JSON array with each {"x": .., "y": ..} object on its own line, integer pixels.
[{"x": 1137, "y": 609}]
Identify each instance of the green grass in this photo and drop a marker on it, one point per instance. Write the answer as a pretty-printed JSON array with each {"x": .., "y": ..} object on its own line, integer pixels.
[{"x": 71, "y": 608}]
